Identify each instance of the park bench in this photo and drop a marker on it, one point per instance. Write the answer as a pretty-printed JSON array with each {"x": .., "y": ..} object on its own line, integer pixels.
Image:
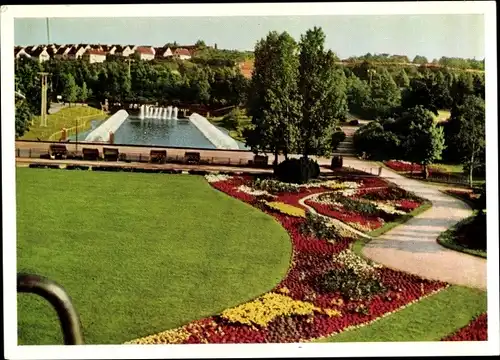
[
  {"x": 90, "y": 154},
  {"x": 191, "y": 157},
  {"x": 158, "y": 156},
  {"x": 110, "y": 154},
  {"x": 260, "y": 161},
  {"x": 58, "y": 151}
]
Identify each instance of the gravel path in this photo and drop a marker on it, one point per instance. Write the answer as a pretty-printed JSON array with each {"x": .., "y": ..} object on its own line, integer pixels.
[{"x": 412, "y": 246}]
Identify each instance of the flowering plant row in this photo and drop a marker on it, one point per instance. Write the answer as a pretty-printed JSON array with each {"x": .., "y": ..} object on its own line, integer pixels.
[
  {"x": 297, "y": 310},
  {"x": 405, "y": 166},
  {"x": 476, "y": 330},
  {"x": 366, "y": 209},
  {"x": 286, "y": 209}
]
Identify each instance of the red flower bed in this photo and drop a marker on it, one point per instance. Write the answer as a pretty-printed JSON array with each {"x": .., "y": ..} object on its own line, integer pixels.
[
  {"x": 311, "y": 258},
  {"x": 372, "y": 182},
  {"x": 371, "y": 222},
  {"x": 408, "y": 205},
  {"x": 476, "y": 330},
  {"x": 402, "y": 166}
]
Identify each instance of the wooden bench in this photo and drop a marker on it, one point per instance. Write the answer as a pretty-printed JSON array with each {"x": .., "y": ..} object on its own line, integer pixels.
[
  {"x": 58, "y": 151},
  {"x": 260, "y": 161},
  {"x": 158, "y": 156},
  {"x": 90, "y": 154},
  {"x": 110, "y": 154},
  {"x": 191, "y": 157}
]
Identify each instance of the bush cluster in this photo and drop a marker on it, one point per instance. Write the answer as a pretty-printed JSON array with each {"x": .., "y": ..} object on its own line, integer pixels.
[{"x": 297, "y": 171}]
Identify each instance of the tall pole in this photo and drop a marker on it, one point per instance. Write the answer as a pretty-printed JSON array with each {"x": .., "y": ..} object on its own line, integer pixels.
[{"x": 48, "y": 32}]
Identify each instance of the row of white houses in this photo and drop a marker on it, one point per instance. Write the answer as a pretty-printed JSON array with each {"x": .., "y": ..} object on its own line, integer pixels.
[{"x": 99, "y": 53}]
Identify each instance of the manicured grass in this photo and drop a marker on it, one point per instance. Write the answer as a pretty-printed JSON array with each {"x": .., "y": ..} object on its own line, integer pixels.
[
  {"x": 430, "y": 319},
  {"x": 358, "y": 245},
  {"x": 448, "y": 239},
  {"x": 64, "y": 118},
  {"x": 139, "y": 253}
]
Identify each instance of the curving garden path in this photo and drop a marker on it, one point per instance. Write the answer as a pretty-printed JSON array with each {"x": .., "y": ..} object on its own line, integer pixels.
[{"x": 412, "y": 246}]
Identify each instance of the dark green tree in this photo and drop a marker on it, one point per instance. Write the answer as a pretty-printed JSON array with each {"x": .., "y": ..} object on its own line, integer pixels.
[
  {"x": 469, "y": 132},
  {"x": 322, "y": 90},
  {"x": 23, "y": 118},
  {"x": 70, "y": 89},
  {"x": 423, "y": 142},
  {"x": 273, "y": 96}
]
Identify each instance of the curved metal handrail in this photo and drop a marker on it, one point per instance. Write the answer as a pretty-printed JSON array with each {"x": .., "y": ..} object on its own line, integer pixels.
[{"x": 59, "y": 299}]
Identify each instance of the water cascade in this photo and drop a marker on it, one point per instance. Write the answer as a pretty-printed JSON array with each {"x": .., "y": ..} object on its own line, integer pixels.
[
  {"x": 141, "y": 115},
  {"x": 176, "y": 110},
  {"x": 101, "y": 133},
  {"x": 169, "y": 114},
  {"x": 218, "y": 138}
]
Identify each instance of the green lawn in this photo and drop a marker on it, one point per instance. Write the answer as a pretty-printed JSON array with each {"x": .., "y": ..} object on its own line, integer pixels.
[
  {"x": 66, "y": 117},
  {"x": 430, "y": 319},
  {"x": 139, "y": 253}
]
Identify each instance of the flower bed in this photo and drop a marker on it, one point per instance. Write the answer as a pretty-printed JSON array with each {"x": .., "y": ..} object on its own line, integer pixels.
[
  {"x": 407, "y": 167},
  {"x": 297, "y": 310},
  {"x": 366, "y": 209},
  {"x": 476, "y": 330}
]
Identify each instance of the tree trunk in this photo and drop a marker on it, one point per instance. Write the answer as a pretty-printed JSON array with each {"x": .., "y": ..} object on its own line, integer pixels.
[
  {"x": 275, "y": 160},
  {"x": 471, "y": 170},
  {"x": 426, "y": 172}
]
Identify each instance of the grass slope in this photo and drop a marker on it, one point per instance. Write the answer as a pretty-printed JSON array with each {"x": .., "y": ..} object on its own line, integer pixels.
[
  {"x": 64, "y": 118},
  {"x": 430, "y": 319},
  {"x": 139, "y": 253}
]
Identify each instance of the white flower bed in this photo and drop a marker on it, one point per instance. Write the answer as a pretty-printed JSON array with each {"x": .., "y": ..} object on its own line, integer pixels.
[
  {"x": 217, "y": 177},
  {"x": 251, "y": 191},
  {"x": 388, "y": 208},
  {"x": 325, "y": 201},
  {"x": 348, "y": 192},
  {"x": 354, "y": 262}
]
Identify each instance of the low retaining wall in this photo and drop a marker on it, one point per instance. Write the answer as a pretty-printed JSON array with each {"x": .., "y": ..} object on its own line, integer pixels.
[
  {"x": 214, "y": 135},
  {"x": 101, "y": 133}
]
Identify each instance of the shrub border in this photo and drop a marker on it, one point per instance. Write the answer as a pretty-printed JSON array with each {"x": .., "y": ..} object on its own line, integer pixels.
[{"x": 447, "y": 239}]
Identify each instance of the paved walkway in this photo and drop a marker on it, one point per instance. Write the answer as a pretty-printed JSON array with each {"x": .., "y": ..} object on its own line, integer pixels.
[{"x": 412, "y": 247}]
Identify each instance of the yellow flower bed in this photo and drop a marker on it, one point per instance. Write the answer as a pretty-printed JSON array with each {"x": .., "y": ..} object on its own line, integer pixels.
[
  {"x": 266, "y": 308},
  {"x": 332, "y": 312},
  {"x": 286, "y": 209},
  {"x": 174, "y": 336}
]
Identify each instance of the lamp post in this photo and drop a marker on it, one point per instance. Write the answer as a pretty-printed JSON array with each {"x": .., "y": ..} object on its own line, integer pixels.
[{"x": 43, "y": 110}]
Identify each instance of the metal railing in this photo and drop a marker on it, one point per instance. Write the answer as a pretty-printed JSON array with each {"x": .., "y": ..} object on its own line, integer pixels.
[{"x": 60, "y": 301}]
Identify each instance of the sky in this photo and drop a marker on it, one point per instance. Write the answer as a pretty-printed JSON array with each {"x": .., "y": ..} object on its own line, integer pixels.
[{"x": 432, "y": 36}]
